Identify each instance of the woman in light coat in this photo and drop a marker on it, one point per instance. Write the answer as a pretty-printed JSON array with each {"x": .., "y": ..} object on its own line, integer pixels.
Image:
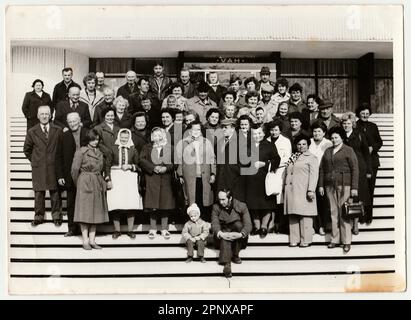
[
  {"x": 279, "y": 222},
  {"x": 197, "y": 168},
  {"x": 299, "y": 193}
]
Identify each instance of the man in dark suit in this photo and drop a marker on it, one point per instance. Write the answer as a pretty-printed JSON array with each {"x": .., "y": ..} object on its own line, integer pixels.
[
  {"x": 61, "y": 89},
  {"x": 103, "y": 105},
  {"x": 72, "y": 140},
  {"x": 159, "y": 82},
  {"x": 40, "y": 147},
  {"x": 189, "y": 89},
  {"x": 72, "y": 105},
  {"x": 231, "y": 225},
  {"x": 327, "y": 116},
  {"x": 130, "y": 87},
  {"x": 143, "y": 92},
  {"x": 216, "y": 89}
]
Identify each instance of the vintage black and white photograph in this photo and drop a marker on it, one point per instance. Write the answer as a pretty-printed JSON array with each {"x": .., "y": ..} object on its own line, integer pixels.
[{"x": 205, "y": 149}]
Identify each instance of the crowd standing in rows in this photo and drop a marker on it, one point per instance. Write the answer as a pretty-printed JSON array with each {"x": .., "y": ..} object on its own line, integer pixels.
[{"x": 159, "y": 147}]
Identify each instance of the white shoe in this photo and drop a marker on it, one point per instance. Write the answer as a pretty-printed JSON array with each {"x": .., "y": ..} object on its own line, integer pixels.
[{"x": 152, "y": 234}]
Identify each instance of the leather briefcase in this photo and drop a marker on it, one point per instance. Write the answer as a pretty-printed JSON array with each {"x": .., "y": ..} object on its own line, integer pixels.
[{"x": 352, "y": 209}]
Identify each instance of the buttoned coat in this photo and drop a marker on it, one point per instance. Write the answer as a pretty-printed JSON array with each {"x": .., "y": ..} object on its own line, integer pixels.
[
  {"x": 125, "y": 90},
  {"x": 339, "y": 169},
  {"x": 301, "y": 177},
  {"x": 32, "y": 101},
  {"x": 185, "y": 155},
  {"x": 159, "y": 191},
  {"x": 65, "y": 155},
  {"x": 63, "y": 108},
  {"x": 42, "y": 155},
  {"x": 61, "y": 90},
  {"x": 201, "y": 107},
  {"x": 107, "y": 137},
  {"x": 374, "y": 140}
]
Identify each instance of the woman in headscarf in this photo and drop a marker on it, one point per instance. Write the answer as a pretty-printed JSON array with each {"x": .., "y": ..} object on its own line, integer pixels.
[
  {"x": 156, "y": 160},
  {"x": 123, "y": 170}
]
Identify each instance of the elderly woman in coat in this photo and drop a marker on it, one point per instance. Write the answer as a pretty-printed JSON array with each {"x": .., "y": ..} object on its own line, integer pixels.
[
  {"x": 156, "y": 160},
  {"x": 197, "y": 168},
  {"x": 339, "y": 180},
  {"x": 107, "y": 130},
  {"x": 279, "y": 222},
  {"x": 299, "y": 193},
  {"x": 124, "y": 196},
  {"x": 91, "y": 203}
]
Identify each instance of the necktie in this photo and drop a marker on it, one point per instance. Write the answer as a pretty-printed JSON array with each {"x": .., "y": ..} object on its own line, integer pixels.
[
  {"x": 46, "y": 133},
  {"x": 75, "y": 105}
]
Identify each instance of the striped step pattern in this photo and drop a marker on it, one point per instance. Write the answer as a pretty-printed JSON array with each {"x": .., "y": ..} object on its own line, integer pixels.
[{"x": 43, "y": 261}]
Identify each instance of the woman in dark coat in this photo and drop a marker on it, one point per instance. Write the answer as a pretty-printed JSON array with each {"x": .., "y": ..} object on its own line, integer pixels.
[
  {"x": 140, "y": 134},
  {"x": 91, "y": 203},
  {"x": 263, "y": 154},
  {"x": 122, "y": 117},
  {"x": 33, "y": 100},
  {"x": 282, "y": 115},
  {"x": 107, "y": 130},
  {"x": 156, "y": 160},
  {"x": 358, "y": 141},
  {"x": 370, "y": 130}
]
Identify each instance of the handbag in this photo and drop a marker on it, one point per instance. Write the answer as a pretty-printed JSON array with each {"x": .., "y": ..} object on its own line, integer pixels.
[
  {"x": 273, "y": 182},
  {"x": 352, "y": 208}
]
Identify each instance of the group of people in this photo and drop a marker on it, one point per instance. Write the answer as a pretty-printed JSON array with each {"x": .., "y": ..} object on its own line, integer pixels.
[{"x": 164, "y": 147}]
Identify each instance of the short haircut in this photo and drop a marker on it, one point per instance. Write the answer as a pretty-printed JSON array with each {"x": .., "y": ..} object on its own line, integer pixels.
[
  {"x": 170, "y": 111},
  {"x": 195, "y": 122},
  {"x": 243, "y": 117},
  {"x": 92, "y": 135},
  {"x": 158, "y": 63},
  {"x": 37, "y": 80},
  {"x": 226, "y": 191},
  {"x": 44, "y": 106},
  {"x": 192, "y": 112},
  {"x": 316, "y": 98},
  {"x": 211, "y": 111},
  {"x": 300, "y": 137},
  {"x": 251, "y": 94},
  {"x": 89, "y": 77},
  {"x": 203, "y": 87},
  {"x": 349, "y": 116},
  {"x": 74, "y": 113},
  {"x": 281, "y": 81},
  {"x": 254, "y": 80},
  {"x": 229, "y": 92},
  {"x": 141, "y": 79},
  {"x": 184, "y": 69},
  {"x": 295, "y": 87},
  {"x": 107, "y": 110},
  {"x": 259, "y": 108},
  {"x": 256, "y": 126},
  {"x": 275, "y": 123},
  {"x": 319, "y": 125},
  {"x": 234, "y": 79},
  {"x": 139, "y": 114},
  {"x": 67, "y": 69},
  {"x": 295, "y": 115},
  {"x": 362, "y": 107},
  {"x": 175, "y": 85},
  {"x": 120, "y": 99},
  {"x": 338, "y": 130}
]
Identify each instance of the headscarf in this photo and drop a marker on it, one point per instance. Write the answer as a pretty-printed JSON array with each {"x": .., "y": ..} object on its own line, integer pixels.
[{"x": 129, "y": 142}]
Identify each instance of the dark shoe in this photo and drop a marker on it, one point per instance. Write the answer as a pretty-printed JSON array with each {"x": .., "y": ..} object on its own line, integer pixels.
[
  {"x": 202, "y": 260},
  {"x": 95, "y": 246},
  {"x": 227, "y": 270},
  {"x": 116, "y": 234},
  {"x": 346, "y": 248},
  {"x": 368, "y": 222},
  {"x": 331, "y": 245},
  {"x": 189, "y": 259},
  {"x": 277, "y": 228},
  {"x": 69, "y": 234},
  {"x": 131, "y": 234},
  {"x": 292, "y": 245},
  {"x": 255, "y": 231},
  {"x": 236, "y": 260},
  {"x": 57, "y": 222},
  {"x": 263, "y": 233},
  {"x": 35, "y": 223}
]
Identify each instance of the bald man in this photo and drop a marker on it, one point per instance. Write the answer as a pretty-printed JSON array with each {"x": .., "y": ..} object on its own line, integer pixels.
[
  {"x": 130, "y": 87},
  {"x": 73, "y": 104},
  {"x": 40, "y": 148},
  {"x": 72, "y": 140}
]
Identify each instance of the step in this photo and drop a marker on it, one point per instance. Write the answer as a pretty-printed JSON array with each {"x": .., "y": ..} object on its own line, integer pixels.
[
  {"x": 175, "y": 239},
  {"x": 317, "y": 252}
]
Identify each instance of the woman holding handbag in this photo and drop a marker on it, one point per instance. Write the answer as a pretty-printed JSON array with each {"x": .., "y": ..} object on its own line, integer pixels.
[
  {"x": 299, "y": 193},
  {"x": 279, "y": 222},
  {"x": 263, "y": 155},
  {"x": 338, "y": 180}
]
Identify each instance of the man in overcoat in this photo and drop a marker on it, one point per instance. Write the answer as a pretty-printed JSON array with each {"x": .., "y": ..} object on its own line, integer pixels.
[
  {"x": 72, "y": 140},
  {"x": 231, "y": 225},
  {"x": 61, "y": 89},
  {"x": 40, "y": 147}
]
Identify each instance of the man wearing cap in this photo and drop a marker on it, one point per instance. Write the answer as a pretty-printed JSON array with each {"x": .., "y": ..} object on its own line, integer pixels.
[
  {"x": 265, "y": 77},
  {"x": 228, "y": 162},
  {"x": 296, "y": 102},
  {"x": 231, "y": 225},
  {"x": 270, "y": 108},
  {"x": 327, "y": 116},
  {"x": 201, "y": 103}
]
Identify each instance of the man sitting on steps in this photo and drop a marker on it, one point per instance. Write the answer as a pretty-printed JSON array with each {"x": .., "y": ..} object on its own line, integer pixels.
[{"x": 231, "y": 225}]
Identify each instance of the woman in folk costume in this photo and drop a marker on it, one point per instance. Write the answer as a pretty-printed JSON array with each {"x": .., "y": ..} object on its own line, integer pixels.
[
  {"x": 123, "y": 170},
  {"x": 91, "y": 203},
  {"x": 197, "y": 168}
]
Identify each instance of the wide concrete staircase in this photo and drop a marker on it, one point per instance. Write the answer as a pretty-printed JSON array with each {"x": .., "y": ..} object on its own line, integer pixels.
[{"x": 41, "y": 260}]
